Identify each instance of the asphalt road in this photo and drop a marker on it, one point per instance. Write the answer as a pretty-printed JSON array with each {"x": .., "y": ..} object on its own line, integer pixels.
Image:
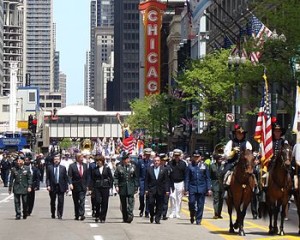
[{"x": 40, "y": 226}]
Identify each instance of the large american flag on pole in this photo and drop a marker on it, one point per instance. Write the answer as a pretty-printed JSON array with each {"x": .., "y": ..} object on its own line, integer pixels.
[
  {"x": 263, "y": 130},
  {"x": 260, "y": 33}
]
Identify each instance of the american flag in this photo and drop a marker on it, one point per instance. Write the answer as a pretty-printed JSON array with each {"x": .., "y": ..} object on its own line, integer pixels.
[
  {"x": 260, "y": 33},
  {"x": 129, "y": 144},
  {"x": 263, "y": 129}
]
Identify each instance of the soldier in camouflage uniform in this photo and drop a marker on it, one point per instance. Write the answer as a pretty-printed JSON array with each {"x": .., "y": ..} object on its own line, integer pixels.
[
  {"x": 126, "y": 183},
  {"x": 20, "y": 182}
]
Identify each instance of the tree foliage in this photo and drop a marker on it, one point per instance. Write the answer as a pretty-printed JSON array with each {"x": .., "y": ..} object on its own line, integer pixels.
[
  {"x": 155, "y": 113},
  {"x": 211, "y": 83}
]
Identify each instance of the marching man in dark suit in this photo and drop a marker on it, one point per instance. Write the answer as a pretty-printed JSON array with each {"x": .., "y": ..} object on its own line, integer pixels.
[
  {"x": 20, "y": 182},
  {"x": 78, "y": 179},
  {"x": 156, "y": 187},
  {"x": 126, "y": 183},
  {"x": 35, "y": 173},
  {"x": 57, "y": 185}
]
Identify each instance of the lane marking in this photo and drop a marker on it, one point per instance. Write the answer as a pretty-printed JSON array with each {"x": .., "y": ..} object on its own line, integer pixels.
[
  {"x": 98, "y": 237},
  {"x": 93, "y": 225},
  {"x": 207, "y": 223},
  {"x": 89, "y": 213},
  {"x": 7, "y": 198}
]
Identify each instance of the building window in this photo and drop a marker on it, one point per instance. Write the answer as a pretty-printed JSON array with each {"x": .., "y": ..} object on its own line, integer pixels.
[
  {"x": 31, "y": 96},
  {"x": 5, "y": 108}
]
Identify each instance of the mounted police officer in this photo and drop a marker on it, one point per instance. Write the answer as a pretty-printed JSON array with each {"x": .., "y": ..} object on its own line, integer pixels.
[
  {"x": 278, "y": 141},
  {"x": 232, "y": 152},
  {"x": 20, "y": 182},
  {"x": 126, "y": 183}
]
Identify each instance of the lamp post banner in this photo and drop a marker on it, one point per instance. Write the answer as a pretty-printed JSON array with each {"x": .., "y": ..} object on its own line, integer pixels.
[{"x": 152, "y": 11}]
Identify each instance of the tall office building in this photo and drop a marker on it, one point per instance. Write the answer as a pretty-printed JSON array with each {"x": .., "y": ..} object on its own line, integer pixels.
[
  {"x": 104, "y": 47},
  {"x": 126, "y": 50},
  {"x": 1, "y": 45},
  {"x": 87, "y": 80},
  {"x": 39, "y": 45},
  {"x": 105, "y": 10},
  {"x": 92, "y": 69},
  {"x": 56, "y": 72},
  {"x": 11, "y": 43},
  {"x": 63, "y": 88},
  {"x": 101, "y": 36}
]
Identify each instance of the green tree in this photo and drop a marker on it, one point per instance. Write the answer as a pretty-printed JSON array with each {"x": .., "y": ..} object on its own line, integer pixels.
[
  {"x": 210, "y": 83},
  {"x": 65, "y": 143},
  {"x": 155, "y": 113}
]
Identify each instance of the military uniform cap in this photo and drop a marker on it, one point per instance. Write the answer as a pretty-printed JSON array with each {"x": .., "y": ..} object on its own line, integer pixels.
[
  {"x": 177, "y": 152},
  {"x": 124, "y": 155},
  {"x": 196, "y": 153},
  {"x": 147, "y": 151},
  {"x": 163, "y": 157}
]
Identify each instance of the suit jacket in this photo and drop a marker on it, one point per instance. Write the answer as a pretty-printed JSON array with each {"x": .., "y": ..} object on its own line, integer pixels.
[
  {"x": 104, "y": 180},
  {"x": 62, "y": 178},
  {"x": 20, "y": 180},
  {"x": 157, "y": 186},
  {"x": 79, "y": 183},
  {"x": 36, "y": 177}
]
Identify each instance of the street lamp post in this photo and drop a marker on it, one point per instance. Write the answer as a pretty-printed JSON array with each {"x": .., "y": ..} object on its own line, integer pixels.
[{"x": 234, "y": 63}]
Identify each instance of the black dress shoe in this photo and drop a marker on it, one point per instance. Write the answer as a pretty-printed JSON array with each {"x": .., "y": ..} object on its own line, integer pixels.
[
  {"x": 18, "y": 217},
  {"x": 151, "y": 219},
  {"x": 53, "y": 216},
  {"x": 129, "y": 219},
  {"x": 82, "y": 218},
  {"x": 164, "y": 218},
  {"x": 157, "y": 221},
  {"x": 96, "y": 219},
  {"x": 146, "y": 215},
  {"x": 76, "y": 218},
  {"x": 25, "y": 216},
  {"x": 141, "y": 214},
  {"x": 192, "y": 219}
]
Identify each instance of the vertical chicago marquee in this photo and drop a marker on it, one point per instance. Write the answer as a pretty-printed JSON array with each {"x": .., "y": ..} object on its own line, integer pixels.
[{"x": 152, "y": 11}]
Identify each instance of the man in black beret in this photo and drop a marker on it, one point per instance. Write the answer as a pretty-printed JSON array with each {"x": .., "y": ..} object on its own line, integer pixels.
[{"x": 126, "y": 184}]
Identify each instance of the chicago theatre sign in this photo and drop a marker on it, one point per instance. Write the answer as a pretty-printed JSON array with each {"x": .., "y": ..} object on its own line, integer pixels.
[{"x": 152, "y": 11}]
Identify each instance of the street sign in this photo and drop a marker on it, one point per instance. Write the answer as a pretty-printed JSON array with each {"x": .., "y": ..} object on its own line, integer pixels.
[{"x": 229, "y": 117}]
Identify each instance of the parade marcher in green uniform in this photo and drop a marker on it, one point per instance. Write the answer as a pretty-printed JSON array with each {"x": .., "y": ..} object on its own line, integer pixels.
[
  {"x": 216, "y": 175},
  {"x": 20, "y": 182},
  {"x": 126, "y": 183}
]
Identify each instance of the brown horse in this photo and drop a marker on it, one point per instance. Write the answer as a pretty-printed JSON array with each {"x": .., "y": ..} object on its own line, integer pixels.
[
  {"x": 241, "y": 190},
  {"x": 279, "y": 188}
]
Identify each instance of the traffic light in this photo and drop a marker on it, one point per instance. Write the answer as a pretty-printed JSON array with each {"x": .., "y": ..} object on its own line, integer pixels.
[{"x": 30, "y": 119}]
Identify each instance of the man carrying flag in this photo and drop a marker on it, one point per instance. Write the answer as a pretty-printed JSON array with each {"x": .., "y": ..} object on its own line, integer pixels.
[{"x": 269, "y": 135}]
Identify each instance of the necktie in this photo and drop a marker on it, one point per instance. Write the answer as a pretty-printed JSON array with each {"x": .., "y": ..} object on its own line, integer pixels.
[
  {"x": 56, "y": 174},
  {"x": 80, "y": 170}
]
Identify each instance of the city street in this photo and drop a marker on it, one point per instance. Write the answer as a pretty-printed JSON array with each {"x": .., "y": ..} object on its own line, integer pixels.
[{"x": 40, "y": 225}]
